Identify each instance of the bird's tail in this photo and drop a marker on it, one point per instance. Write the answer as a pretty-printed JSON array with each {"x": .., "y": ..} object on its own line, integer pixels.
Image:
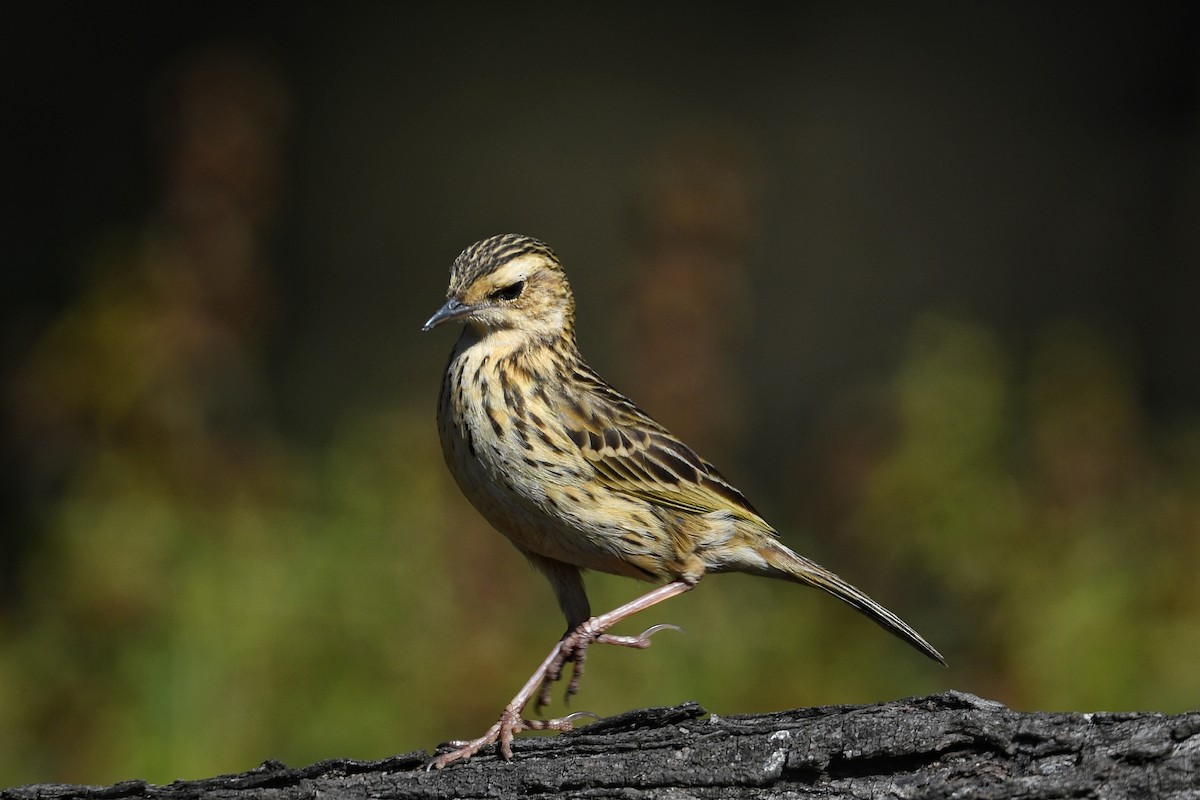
[{"x": 784, "y": 563}]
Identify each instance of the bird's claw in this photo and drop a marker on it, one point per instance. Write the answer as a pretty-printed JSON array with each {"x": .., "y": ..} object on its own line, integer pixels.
[
  {"x": 508, "y": 726},
  {"x": 560, "y": 724},
  {"x": 642, "y": 640}
]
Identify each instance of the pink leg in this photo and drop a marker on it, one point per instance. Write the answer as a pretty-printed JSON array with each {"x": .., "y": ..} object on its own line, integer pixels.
[{"x": 573, "y": 645}]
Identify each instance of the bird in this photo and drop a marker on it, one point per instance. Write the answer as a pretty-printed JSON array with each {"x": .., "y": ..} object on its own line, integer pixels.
[{"x": 577, "y": 477}]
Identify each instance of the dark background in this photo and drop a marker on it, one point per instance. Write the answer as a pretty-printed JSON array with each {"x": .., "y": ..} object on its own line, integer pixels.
[
  {"x": 774, "y": 220},
  {"x": 1018, "y": 161}
]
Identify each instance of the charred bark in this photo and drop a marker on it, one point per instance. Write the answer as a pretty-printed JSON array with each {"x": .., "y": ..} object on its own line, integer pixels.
[{"x": 942, "y": 746}]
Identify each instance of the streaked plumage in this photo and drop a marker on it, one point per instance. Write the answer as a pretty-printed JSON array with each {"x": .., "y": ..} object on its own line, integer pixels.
[{"x": 575, "y": 474}]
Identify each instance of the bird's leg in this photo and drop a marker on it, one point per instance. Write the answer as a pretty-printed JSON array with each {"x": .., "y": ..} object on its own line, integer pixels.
[
  {"x": 574, "y": 645},
  {"x": 511, "y": 722}
]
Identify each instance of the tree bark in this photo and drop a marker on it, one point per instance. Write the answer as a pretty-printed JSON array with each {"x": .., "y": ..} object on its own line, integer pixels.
[{"x": 942, "y": 746}]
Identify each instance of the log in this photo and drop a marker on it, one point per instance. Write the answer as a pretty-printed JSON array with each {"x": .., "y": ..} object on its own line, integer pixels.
[{"x": 945, "y": 745}]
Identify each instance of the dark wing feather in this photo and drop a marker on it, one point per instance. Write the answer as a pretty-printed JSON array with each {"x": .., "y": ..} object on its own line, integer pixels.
[{"x": 633, "y": 454}]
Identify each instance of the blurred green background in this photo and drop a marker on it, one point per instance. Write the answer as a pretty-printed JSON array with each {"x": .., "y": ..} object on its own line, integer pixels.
[{"x": 921, "y": 281}]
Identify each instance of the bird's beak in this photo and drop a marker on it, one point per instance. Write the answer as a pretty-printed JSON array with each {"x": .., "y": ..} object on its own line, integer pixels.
[{"x": 453, "y": 309}]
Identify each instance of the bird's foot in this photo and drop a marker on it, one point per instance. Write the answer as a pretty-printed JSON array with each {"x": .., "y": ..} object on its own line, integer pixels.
[
  {"x": 509, "y": 725},
  {"x": 574, "y": 649}
]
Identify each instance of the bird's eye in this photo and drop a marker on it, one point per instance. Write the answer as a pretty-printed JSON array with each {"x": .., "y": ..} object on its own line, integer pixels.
[{"x": 510, "y": 292}]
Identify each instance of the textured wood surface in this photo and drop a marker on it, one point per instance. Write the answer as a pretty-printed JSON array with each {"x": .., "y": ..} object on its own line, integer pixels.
[{"x": 942, "y": 746}]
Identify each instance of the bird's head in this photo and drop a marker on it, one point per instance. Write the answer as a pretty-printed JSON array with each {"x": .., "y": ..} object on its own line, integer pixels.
[{"x": 509, "y": 283}]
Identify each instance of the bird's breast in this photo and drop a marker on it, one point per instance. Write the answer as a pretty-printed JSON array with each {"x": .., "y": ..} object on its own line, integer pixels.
[
  {"x": 501, "y": 436},
  {"x": 509, "y": 452}
]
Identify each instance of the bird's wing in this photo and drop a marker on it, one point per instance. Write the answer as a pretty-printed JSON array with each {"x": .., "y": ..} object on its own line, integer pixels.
[{"x": 635, "y": 455}]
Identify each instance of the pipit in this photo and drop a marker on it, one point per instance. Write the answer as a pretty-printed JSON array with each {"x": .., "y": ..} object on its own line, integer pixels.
[{"x": 578, "y": 477}]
